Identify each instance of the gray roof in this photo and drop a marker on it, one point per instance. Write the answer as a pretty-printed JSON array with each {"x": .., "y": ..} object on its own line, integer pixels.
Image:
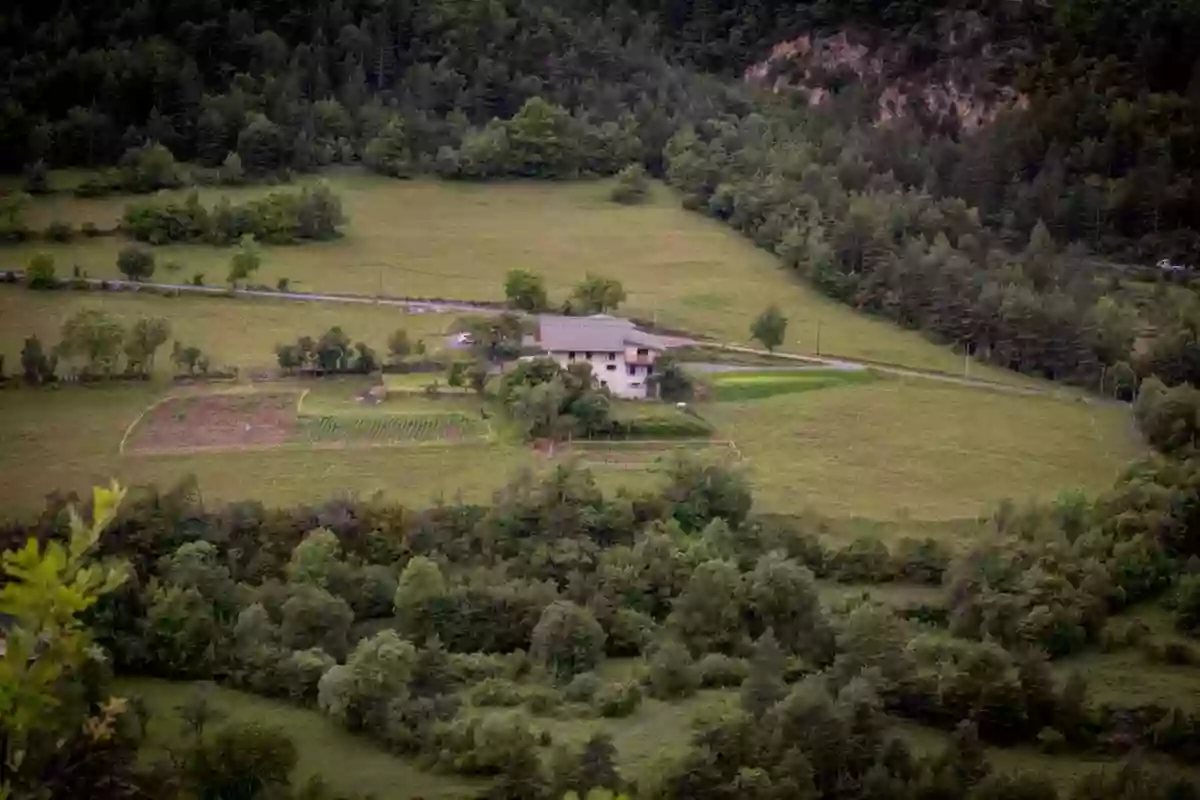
[{"x": 599, "y": 333}]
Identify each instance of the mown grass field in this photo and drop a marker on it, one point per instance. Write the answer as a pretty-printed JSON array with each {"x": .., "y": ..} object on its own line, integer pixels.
[
  {"x": 901, "y": 448},
  {"x": 439, "y": 239},
  {"x": 233, "y": 331},
  {"x": 346, "y": 763},
  {"x": 884, "y": 450},
  {"x": 68, "y": 439},
  {"x": 892, "y": 450}
]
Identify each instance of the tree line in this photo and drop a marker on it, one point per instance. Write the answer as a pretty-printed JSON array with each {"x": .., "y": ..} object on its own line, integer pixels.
[
  {"x": 403, "y": 624},
  {"x": 953, "y": 232},
  {"x": 95, "y": 345}
]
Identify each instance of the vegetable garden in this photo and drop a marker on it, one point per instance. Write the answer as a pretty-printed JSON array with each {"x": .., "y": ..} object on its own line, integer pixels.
[{"x": 393, "y": 429}]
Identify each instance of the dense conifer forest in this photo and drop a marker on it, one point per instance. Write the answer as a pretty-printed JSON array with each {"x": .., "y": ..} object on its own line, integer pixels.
[{"x": 972, "y": 225}]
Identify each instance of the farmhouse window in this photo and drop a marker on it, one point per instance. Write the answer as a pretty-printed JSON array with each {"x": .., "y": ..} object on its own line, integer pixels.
[{"x": 611, "y": 367}]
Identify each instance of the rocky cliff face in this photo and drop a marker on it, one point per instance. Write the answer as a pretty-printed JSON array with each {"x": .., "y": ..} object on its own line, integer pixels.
[{"x": 957, "y": 73}]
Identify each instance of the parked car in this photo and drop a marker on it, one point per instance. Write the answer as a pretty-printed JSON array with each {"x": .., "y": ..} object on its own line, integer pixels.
[
  {"x": 1166, "y": 265},
  {"x": 464, "y": 338}
]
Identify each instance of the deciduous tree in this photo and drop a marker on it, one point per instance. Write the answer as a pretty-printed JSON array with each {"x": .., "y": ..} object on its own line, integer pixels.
[
  {"x": 769, "y": 327},
  {"x": 567, "y": 640},
  {"x": 46, "y": 591},
  {"x": 95, "y": 337},
  {"x": 142, "y": 342},
  {"x": 245, "y": 262},
  {"x": 135, "y": 263},
  {"x": 597, "y": 295},
  {"x": 525, "y": 290}
]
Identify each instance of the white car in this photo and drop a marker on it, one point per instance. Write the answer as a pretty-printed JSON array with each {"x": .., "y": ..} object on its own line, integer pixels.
[
  {"x": 464, "y": 338},
  {"x": 1166, "y": 266}
]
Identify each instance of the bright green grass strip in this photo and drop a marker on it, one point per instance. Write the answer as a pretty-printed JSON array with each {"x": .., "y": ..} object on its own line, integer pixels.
[{"x": 736, "y": 386}]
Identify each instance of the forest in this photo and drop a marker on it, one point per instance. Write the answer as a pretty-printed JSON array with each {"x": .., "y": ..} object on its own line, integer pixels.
[
  {"x": 408, "y": 625},
  {"x": 985, "y": 237}
]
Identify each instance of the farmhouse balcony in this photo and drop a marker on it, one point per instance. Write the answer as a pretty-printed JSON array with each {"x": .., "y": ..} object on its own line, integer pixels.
[{"x": 641, "y": 357}]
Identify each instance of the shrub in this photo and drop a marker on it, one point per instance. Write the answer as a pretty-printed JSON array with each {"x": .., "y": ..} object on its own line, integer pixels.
[
  {"x": 40, "y": 274},
  {"x": 619, "y": 699},
  {"x": 1168, "y": 417},
  {"x": 865, "y": 560},
  {"x": 243, "y": 761},
  {"x": 94, "y": 186},
  {"x": 1187, "y": 605},
  {"x": 630, "y": 632},
  {"x": 632, "y": 185},
  {"x": 469, "y": 668},
  {"x": 1119, "y": 635},
  {"x": 1178, "y": 654},
  {"x": 542, "y": 699},
  {"x": 671, "y": 672},
  {"x": 1050, "y": 740},
  {"x": 922, "y": 560},
  {"x": 495, "y": 692},
  {"x": 486, "y": 745},
  {"x": 582, "y": 688},
  {"x": 198, "y": 279},
  {"x": 37, "y": 178},
  {"x": 300, "y": 672},
  {"x": 717, "y": 671},
  {"x": 59, "y": 232}
]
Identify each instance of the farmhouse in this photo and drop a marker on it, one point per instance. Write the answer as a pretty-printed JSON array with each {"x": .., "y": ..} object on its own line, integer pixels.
[{"x": 622, "y": 357}]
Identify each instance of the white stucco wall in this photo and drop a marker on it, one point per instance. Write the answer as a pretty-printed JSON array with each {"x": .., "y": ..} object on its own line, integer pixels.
[{"x": 613, "y": 371}]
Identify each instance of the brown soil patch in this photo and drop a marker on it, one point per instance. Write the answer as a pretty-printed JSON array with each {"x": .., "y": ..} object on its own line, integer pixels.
[{"x": 216, "y": 422}]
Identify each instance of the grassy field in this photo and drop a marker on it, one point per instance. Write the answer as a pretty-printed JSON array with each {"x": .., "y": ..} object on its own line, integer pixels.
[
  {"x": 233, "y": 331},
  {"x": 459, "y": 240},
  {"x": 1064, "y": 771},
  {"x": 901, "y": 448},
  {"x": 890, "y": 450},
  {"x": 1109, "y": 675},
  {"x": 898, "y": 595},
  {"x": 68, "y": 439},
  {"x": 346, "y": 763}
]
